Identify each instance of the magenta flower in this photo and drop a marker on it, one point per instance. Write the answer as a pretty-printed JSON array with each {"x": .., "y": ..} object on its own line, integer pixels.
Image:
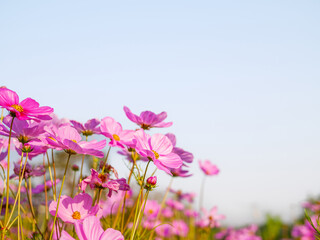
[
  {"x": 99, "y": 180},
  {"x": 208, "y": 168},
  {"x": 157, "y": 148},
  {"x": 29, "y": 170},
  {"x": 74, "y": 209},
  {"x": 148, "y": 119},
  {"x": 89, "y": 128},
  {"x": 26, "y": 109},
  {"x": 90, "y": 229},
  {"x": 68, "y": 139},
  {"x": 113, "y": 130},
  {"x": 24, "y": 131}
]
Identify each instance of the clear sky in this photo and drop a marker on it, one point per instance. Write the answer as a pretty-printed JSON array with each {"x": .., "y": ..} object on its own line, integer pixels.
[{"x": 239, "y": 79}]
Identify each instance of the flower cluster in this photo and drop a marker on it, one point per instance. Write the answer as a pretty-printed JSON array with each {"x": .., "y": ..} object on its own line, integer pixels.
[{"x": 52, "y": 198}]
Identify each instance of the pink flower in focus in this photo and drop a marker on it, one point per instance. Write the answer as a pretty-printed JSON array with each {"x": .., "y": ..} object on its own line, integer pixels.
[
  {"x": 74, "y": 209},
  {"x": 148, "y": 119},
  {"x": 113, "y": 130},
  {"x": 208, "y": 168},
  {"x": 68, "y": 139},
  {"x": 89, "y": 128},
  {"x": 26, "y": 109},
  {"x": 157, "y": 148},
  {"x": 90, "y": 229}
]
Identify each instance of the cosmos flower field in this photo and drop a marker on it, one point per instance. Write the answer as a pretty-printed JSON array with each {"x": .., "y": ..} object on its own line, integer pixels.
[{"x": 54, "y": 199}]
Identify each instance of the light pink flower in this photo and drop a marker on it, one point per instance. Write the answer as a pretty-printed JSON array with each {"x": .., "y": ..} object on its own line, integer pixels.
[
  {"x": 90, "y": 229},
  {"x": 210, "y": 219},
  {"x": 148, "y": 119},
  {"x": 151, "y": 209},
  {"x": 68, "y": 139},
  {"x": 3, "y": 148},
  {"x": 157, "y": 148},
  {"x": 26, "y": 109},
  {"x": 74, "y": 209},
  {"x": 180, "y": 228},
  {"x": 208, "y": 168},
  {"x": 113, "y": 130}
]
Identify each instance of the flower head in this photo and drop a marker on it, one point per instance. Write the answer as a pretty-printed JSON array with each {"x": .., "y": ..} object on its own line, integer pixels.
[
  {"x": 89, "y": 128},
  {"x": 113, "y": 130},
  {"x": 148, "y": 119},
  {"x": 157, "y": 148},
  {"x": 208, "y": 168},
  {"x": 26, "y": 109},
  {"x": 90, "y": 229},
  {"x": 74, "y": 209}
]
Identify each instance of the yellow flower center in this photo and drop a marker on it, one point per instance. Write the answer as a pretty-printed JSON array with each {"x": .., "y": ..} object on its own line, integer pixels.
[
  {"x": 116, "y": 137},
  {"x": 17, "y": 107},
  {"x": 73, "y": 140},
  {"x": 150, "y": 211},
  {"x": 76, "y": 215},
  {"x": 156, "y": 155},
  {"x": 52, "y": 139}
]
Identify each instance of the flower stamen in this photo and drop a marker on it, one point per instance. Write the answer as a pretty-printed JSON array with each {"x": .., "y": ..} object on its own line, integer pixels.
[
  {"x": 76, "y": 215},
  {"x": 19, "y": 108}
]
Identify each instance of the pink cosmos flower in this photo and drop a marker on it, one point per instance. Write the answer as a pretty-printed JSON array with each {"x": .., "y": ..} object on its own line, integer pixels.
[
  {"x": 157, "y": 148},
  {"x": 208, "y": 168},
  {"x": 165, "y": 230},
  {"x": 26, "y": 109},
  {"x": 210, "y": 219},
  {"x": 111, "y": 204},
  {"x": 24, "y": 131},
  {"x": 29, "y": 170},
  {"x": 151, "y": 209},
  {"x": 41, "y": 187},
  {"x": 113, "y": 130},
  {"x": 180, "y": 228},
  {"x": 68, "y": 139},
  {"x": 148, "y": 119},
  {"x": 74, "y": 209},
  {"x": 90, "y": 229},
  {"x": 189, "y": 197},
  {"x": 89, "y": 128},
  {"x": 98, "y": 180},
  {"x": 175, "y": 204}
]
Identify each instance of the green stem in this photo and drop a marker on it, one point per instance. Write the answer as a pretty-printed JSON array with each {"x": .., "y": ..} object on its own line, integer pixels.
[
  {"x": 105, "y": 161},
  {"x": 55, "y": 216},
  {"x": 8, "y": 173}
]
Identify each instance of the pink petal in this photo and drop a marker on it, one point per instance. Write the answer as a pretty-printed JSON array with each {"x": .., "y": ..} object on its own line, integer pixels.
[{"x": 161, "y": 144}]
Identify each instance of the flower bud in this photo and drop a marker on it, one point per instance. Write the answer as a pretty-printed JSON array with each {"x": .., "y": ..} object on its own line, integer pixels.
[
  {"x": 75, "y": 167},
  {"x": 151, "y": 183}
]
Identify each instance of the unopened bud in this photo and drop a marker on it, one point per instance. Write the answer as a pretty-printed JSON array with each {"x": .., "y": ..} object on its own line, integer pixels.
[
  {"x": 151, "y": 183},
  {"x": 75, "y": 167}
]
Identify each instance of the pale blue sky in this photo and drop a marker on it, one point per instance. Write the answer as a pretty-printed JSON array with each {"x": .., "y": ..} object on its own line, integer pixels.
[{"x": 239, "y": 79}]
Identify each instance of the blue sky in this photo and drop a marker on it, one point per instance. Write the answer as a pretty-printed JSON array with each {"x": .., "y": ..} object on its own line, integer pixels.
[{"x": 239, "y": 79}]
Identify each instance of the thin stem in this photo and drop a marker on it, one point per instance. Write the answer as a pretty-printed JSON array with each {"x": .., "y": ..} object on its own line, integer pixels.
[
  {"x": 125, "y": 195},
  {"x": 53, "y": 183},
  {"x": 54, "y": 173},
  {"x": 162, "y": 204},
  {"x": 135, "y": 226},
  {"x": 73, "y": 183},
  {"x": 80, "y": 180},
  {"x": 105, "y": 161},
  {"x": 201, "y": 193},
  {"x": 45, "y": 191},
  {"x": 55, "y": 216},
  {"x": 31, "y": 207},
  {"x": 8, "y": 173}
]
